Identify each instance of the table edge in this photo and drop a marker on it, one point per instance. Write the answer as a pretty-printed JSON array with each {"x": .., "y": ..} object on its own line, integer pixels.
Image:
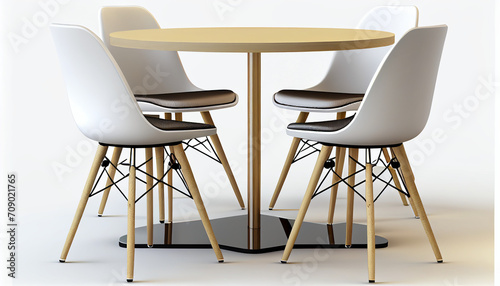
[{"x": 252, "y": 47}]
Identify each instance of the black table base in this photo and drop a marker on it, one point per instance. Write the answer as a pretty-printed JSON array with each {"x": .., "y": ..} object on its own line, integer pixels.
[{"x": 232, "y": 234}]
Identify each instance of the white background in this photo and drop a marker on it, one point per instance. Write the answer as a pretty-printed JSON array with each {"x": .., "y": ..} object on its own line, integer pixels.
[{"x": 39, "y": 135}]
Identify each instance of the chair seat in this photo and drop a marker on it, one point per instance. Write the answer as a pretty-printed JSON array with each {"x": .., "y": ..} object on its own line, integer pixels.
[
  {"x": 317, "y": 101},
  {"x": 166, "y": 125},
  {"x": 322, "y": 126},
  {"x": 187, "y": 101}
]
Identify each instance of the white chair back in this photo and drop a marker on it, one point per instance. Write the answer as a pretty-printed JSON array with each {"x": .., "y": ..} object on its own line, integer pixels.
[
  {"x": 146, "y": 71},
  {"x": 351, "y": 71},
  {"x": 102, "y": 103},
  {"x": 398, "y": 101}
]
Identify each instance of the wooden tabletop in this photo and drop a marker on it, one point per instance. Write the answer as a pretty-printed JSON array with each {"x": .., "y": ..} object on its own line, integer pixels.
[{"x": 251, "y": 40}]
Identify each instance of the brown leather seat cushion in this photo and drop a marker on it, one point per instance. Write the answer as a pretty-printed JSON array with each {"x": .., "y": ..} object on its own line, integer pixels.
[
  {"x": 189, "y": 99},
  {"x": 322, "y": 126},
  {"x": 176, "y": 125},
  {"x": 315, "y": 99}
]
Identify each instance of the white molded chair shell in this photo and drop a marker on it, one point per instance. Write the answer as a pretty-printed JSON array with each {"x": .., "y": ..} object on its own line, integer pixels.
[
  {"x": 397, "y": 103},
  {"x": 351, "y": 71},
  {"x": 147, "y": 71},
  {"x": 102, "y": 102}
]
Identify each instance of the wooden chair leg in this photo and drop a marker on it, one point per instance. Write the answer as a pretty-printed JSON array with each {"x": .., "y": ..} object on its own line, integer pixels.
[
  {"x": 313, "y": 182},
  {"x": 193, "y": 188},
  {"x": 394, "y": 176},
  {"x": 414, "y": 209},
  {"x": 160, "y": 164},
  {"x": 339, "y": 168},
  {"x": 131, "y": 219},
  {"x": 207, "y": 118},
  {"x": 112, "y": 170},
  {"x": 412, "y": 189},
  {"x": 370, "y": 223},
  {"x": 398, "y": 185},
  {"x": 353, "y": 154},
  {"x": 288, "y": 162},
  {"x": 149, "y": 195},
  {"x": 170, "y": 177},
  {"x": 99, "y": 156},
  {"x": 170, "y": 198}
]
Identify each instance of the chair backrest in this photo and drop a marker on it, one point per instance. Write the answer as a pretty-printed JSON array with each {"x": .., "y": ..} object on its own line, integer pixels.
[
  {"x": 351, "y": 71},
  {"x": 146, "y": 71},
  {"x": 102, "y": 103},
  {"x": 398, "y": 101}
]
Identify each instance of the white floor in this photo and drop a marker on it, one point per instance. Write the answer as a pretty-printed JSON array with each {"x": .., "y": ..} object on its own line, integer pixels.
[{"x": 464, "y": 232}]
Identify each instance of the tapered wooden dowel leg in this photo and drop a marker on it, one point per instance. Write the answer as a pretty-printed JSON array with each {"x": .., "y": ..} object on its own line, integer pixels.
[
  {"x": 313, "y": 182},
  {"x": 131, "y": 219},
  {"x": 170, "y": 191},
  {"x": 161, "y": 187},
  {"x": 414, "y": 209},
  {"x": 170, "y": 214},
  {"x": 170, "y": 198},
  {"x": 412, "y": 189},
  {"x": 193, "y": 188},
  {"x": 339, "y": 168},
  {"x": 222, "y": 156},
  {"x": 394, "y": 176},
  {"x": 149, "y": 195},
  {"x": 284, "y": 171},
  {"x": 353, "y": 154},
  {"x": 288, "y": 162},
  {"x": 403, "y": 198},
  {"x": 112, "y": 170},
  {"x": 370, "y": 223},
  {"x": 101, "y": 152}
]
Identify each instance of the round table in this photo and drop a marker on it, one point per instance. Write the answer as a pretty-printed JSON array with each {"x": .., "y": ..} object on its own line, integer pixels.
[{"x": 253, "y": 41}]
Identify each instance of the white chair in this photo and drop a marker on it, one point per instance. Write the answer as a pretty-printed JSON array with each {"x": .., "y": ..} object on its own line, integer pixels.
[
  {"x": 394, "y": 110},
  {"x": 100, "y": 96},
  {"x": 342, "y": 90},
  {"x": 160, "y": 85}
]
